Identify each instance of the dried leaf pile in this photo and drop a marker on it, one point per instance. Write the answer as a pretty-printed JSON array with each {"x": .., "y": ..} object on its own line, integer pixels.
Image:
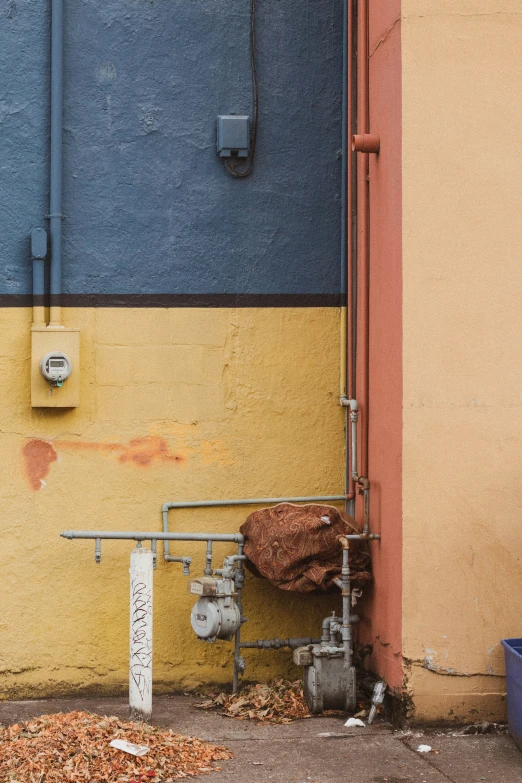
[
  {"x": 75, "y": 747},
  {"x": 280, "y": 701}
]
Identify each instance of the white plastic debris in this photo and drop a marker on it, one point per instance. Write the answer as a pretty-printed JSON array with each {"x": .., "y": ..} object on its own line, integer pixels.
[
  {"x": 130, "y": 747},
  {"x": 424, "y": 749},
  {"x": 351, "y": 722},
  {"x": 379, "y": 691}
]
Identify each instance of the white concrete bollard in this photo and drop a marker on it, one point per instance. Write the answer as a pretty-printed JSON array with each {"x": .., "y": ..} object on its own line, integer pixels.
[{"x": 140, "y": 666}]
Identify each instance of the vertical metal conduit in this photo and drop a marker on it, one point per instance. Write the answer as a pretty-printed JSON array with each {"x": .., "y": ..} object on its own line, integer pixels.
[
  {"x": 56, "y": 175},
  {"x": 38, "y": 253},
  {"x": 345, "y": 147},
  {"x": 350, "y": 293},
  {"x": 363, "y": 244}
]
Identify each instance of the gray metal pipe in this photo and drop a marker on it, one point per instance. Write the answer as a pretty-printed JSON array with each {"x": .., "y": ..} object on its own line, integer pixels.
[
  {"x": 236, "y": 538},
  {"x": 38, "y": 281},
  {"x": 208, "y": 559},
  {"x": 351, "y": 468},
  {"x": 239, "y": 582},
  {"x": 350, "y": 504},
  {"x": 235, "y": 502},
  {"x": 354, "y": 417},
  {"x": 364, "y": 485},
  {"x": 276, "y": 644},
  {"x": 326, "y": 630},
  {"x": 344, "y": 158},
  {"x": 38, "y": 254},
  {"x": 251, "y": 501},
  {"x": 346, "y": 629},
  {"x": 56, "y": 174}
]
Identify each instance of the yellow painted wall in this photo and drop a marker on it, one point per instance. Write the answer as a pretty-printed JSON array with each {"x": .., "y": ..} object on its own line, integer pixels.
[
  {"x": 462, "y": 244},
  {"x": 246, "y": 399}
]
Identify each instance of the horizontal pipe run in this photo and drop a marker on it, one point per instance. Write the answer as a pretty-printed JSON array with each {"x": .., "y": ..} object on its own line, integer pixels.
[
  {"x": 234, "y": 502},
  {"x": 276, "y": 644},
  {"x": 236, "y": 538},
  {"x": 252, "y": 501},
  {"x": 131, "y": 536},
  {"x": 364, "y": 537},
  {"x": 184, "y": 560}
]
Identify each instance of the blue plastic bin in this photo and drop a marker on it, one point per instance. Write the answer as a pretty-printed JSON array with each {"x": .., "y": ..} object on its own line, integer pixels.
[{"x": 513, "y": 656}]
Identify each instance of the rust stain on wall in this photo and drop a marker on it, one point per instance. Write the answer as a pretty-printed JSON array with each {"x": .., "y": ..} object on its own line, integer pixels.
[
  {"x": 38, "y": 456},
  {"x": 139, "y": 451},
  {"x": 142, "y": 452}
]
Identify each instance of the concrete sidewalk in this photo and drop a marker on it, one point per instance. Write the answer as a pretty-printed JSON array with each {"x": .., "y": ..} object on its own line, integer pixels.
[{"x": 301, "y": 753}]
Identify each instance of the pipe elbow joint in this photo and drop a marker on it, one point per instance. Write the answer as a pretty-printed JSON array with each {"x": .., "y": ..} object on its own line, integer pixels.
[
  {"x": 343, "y": 541},
  {"x": 366, "y": 142},
  {"x": 347, "y": 403}
]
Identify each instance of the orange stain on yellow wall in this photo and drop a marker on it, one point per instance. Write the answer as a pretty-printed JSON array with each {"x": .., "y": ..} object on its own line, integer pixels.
[{"x": 141, "y": 452}]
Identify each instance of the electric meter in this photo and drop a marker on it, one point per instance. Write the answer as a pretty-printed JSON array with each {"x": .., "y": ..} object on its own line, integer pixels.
[{"x": 56, "y": 367}]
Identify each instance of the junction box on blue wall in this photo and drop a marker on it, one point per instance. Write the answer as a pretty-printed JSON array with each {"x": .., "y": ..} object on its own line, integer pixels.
[{"x": 233, "y": 135}]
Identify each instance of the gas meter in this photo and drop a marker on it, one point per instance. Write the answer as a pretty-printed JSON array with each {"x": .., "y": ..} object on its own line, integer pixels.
[
  {"x": 329, "y": 676},
  {"x": 56, "y": 367},
  {"x": 216, "y": 614}
]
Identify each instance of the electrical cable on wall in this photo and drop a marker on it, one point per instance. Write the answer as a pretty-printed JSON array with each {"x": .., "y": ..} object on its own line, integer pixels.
[{"x": 233, "y": 165}]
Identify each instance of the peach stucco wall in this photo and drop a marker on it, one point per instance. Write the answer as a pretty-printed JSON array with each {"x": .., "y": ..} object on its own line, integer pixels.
[{"x": 462, "y": 438}]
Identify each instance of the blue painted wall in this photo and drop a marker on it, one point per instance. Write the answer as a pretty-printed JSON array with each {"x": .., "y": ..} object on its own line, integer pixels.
[{"x": 149, "y": 206}]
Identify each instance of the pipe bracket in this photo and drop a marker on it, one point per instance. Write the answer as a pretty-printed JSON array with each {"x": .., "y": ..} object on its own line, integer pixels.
[{"x": 366, "y": 142}]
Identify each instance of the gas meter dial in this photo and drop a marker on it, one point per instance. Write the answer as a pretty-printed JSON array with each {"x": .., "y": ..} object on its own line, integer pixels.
[
  {"x": 56, "y": 367},
  {"x": 215, "y": 618}
]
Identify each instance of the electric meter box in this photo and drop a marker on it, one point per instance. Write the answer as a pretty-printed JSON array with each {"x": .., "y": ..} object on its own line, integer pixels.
[
  {"x": 55, "y": 367},
  {"x": 233, "y": 135}
]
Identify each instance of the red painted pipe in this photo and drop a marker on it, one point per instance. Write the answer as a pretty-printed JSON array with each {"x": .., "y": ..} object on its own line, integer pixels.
[
  {"x": 363, "y": 238},
  {"x": 350, "y": 385},
  {"x": 366, "y": 142}
]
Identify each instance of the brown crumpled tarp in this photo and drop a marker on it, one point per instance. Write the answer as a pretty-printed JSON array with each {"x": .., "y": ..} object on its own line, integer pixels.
[{"x": 296, "y": 547}]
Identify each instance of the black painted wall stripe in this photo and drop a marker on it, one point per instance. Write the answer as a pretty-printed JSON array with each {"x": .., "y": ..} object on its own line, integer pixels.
[{"x": 179, "y": 300}]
